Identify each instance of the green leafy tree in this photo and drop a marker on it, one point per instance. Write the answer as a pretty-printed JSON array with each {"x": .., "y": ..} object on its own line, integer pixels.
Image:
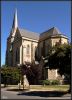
[
  {"x": 60, "y": 58},
  {"x": 10, "y": 75}
]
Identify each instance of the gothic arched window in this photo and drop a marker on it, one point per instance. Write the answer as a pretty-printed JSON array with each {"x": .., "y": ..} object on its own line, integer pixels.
[
  {"x": 35, "y": 48},
  {"x": 28, "y": 49},
  {"x": 17, "y": 55}
]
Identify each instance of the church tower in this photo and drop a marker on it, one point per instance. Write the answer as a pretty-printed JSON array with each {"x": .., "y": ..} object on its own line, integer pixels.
[{"x": 10, "y": 40}]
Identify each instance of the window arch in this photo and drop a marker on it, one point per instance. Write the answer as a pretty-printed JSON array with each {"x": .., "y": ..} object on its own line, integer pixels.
[
  {"x": 36, "y": 51},
  {"x": 28, "y": 49},
  {"x": 35, "y": 48},
  {"x": 17, "y": 55}
]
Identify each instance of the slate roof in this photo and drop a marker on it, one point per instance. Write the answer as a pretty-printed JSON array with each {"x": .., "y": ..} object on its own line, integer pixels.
[
  {"x": 29, "y": 34},
  {"x": 51, "y": 32}
]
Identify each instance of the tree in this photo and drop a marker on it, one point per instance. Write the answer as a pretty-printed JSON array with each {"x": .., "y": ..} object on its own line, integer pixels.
[
  {"x": 10, "y": 75},
  {"x": 33, "y": 71},
  {"x": 60, "y": 59}
]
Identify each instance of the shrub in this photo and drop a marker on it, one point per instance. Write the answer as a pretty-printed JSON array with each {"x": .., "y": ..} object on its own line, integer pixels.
[
  {"x": 45, "y": 82},
  {"x": 55, "y": 82},
  {"x": 49, "y": 82}
]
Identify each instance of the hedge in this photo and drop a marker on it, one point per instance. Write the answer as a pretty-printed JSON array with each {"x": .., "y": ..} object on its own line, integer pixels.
[{"x": 49, "y": 82}]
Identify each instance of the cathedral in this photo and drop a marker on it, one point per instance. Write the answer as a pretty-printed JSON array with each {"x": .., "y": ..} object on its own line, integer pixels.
[{"x": 26, "y": 46}]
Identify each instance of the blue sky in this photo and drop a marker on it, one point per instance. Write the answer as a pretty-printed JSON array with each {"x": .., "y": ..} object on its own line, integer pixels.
[{"x": 37, "y": 16}]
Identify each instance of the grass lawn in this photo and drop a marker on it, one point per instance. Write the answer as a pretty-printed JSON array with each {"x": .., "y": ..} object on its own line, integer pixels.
[
  {"x": 52, "y": 87},
  {"x": 41, "y": 87},
  {"x": 42, "y": 91}
]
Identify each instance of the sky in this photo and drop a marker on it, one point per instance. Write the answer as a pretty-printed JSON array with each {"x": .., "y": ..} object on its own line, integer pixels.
[{"x": 36, "y": 16}]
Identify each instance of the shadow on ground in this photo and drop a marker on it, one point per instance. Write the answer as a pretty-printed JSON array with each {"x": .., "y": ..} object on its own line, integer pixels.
[
  {"x": 39, "y": 93},
  {"x": 44, "y": 93}
]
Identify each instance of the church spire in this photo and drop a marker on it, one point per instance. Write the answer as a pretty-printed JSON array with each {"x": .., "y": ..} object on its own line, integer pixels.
[
  {"x": 15, "y": 21},
  {"x": 14, "y": 25}
]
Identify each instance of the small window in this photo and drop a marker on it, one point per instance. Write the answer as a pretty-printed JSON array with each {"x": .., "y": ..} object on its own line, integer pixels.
[{"x": 28, "y": 49}]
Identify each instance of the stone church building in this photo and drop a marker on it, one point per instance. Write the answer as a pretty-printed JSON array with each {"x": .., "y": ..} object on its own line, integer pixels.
[{"x": 24, "y": 45}]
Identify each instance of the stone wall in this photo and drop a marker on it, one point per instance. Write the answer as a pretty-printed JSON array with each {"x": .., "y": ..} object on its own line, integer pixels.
[
  {"x": 32, "y": 46},
  {"x": 51, "y": 74}
]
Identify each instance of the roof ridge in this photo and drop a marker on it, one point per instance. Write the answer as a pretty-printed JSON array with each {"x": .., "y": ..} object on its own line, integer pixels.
[
  {"x": 28, "y": 30},
  {"x": 47, "y": 30}
]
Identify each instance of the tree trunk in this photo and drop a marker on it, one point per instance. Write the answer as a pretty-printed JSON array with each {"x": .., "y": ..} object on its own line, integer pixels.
[{"x": 23, "y": 82}]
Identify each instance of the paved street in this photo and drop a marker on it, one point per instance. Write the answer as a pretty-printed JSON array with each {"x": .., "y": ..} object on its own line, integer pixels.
[{"x": 30, "y": 95}]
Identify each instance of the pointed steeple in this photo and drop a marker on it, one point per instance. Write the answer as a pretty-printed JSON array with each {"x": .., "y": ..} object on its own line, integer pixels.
[
  {"x": 15, "y": 21},
  {"x": 14, "y": 25}
]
